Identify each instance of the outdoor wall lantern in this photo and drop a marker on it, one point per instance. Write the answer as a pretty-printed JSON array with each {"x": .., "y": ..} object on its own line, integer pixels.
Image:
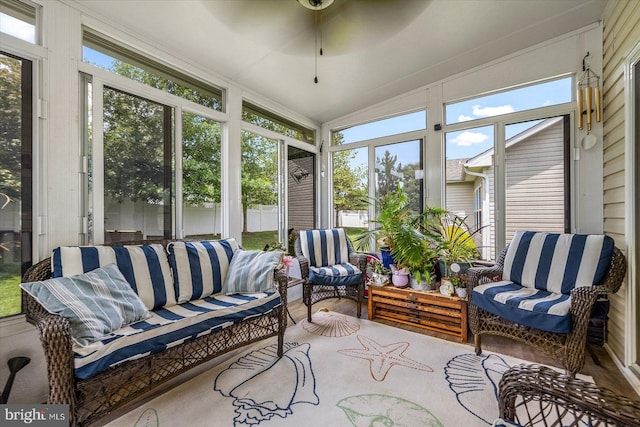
[{"x": 588, "y": 96}]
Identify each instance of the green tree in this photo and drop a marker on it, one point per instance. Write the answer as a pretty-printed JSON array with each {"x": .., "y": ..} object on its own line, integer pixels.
[
  {"x": 10, "y": 128},
  {"x": 389, "y": 175},
  {"x": 411, "y": 186},
  {"x": 350, "y": 186},
  {"x": 200, "y": 160},
  {"x": 259, "y": 172}
]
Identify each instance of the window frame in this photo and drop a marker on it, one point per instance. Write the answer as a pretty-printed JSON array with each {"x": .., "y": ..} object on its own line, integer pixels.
[{"x": 499, "y": 123}]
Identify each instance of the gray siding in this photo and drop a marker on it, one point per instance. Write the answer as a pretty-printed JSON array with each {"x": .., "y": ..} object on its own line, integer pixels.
[
  {"x": 535, "y": 183},
  {"x": 621, "y": 33},
  {"x": 460, "y": 200},
  {"x": 301, "y": 199}
]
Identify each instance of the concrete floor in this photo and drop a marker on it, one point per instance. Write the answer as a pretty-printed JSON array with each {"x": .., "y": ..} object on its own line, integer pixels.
[{"x": 606, "y": 375}]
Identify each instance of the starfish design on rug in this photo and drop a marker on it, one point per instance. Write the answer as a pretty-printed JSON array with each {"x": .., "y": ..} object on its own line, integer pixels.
[{"x": 383, "y": 357}]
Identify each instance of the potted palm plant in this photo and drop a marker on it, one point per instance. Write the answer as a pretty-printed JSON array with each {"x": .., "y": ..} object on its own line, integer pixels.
[
  {"x": 392, "y": 213},
  {"x": 457, "y": 244},
  {"x": 416, "y": 246}
]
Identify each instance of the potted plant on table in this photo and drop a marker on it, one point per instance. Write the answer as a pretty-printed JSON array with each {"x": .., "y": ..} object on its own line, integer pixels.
[
  {"x": 457, "y": 244},
  {"x": 459, "y": 282}
]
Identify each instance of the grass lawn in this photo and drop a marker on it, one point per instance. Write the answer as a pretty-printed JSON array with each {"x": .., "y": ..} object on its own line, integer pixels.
[{"x": 10, "y": 299}]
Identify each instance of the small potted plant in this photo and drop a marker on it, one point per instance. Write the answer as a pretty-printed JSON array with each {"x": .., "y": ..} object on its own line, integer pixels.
[
  {"x": 459, "y": 282},
  {"x": 378, "y": 273}
]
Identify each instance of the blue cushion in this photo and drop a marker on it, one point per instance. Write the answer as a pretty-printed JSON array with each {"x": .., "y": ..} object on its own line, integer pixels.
[
  {"x": 145, "y": 267},
  {"x": 324, "y": 247},
  {"x": 200, "y": 268},
  {"x": 95, "y": 303},
  {"x": 530, "y": 307},
  {"x": 170, "y": 326},
  {"x": 557, "y": 262},
  {"x": 251, "y": 271},
  {"x": 336, "y": 275}
]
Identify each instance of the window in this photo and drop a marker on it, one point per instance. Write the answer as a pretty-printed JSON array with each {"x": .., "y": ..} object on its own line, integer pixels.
[
  {"x": 201, "y": 177},
  {"x": 105, "y": 54},
  {"x": 350, "y": 189},
  {"x": 137, "y": 168},
  {"x": 533, "y": 184},
  {"x": 400, "y": 164},
  {"x": 16, "y": 133},
  {"x": 478, "y": 194},
  {"x": 260, "y": 195},
  {"x": 385, "y": 127},
  {"x": 540, "y": 95},
  {"x": 301, "y": 186},
  {"x": 18, "y": 19},
  {"x": 537, "y": 177},
  {"x": 468, "y": 172},
  {"x": 267, "y": 120},
  {"x": 132, "y": 192}
]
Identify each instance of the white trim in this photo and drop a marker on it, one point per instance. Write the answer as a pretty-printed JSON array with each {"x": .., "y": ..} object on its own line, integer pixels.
[
  {"x": 630, "y": 376},
  {"x": 97, "y": 170},
  {"x": 178, "y": 205},
  {"x": 631, "y": 216}
]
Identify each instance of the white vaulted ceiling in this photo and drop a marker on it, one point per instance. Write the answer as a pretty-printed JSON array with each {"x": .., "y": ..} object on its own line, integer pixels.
[{"x": 373, "y": 49}]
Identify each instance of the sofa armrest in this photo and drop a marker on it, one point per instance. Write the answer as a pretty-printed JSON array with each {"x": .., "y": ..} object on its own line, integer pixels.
[
  {"x": 525, "y": 389},
  {"x": 282, "y": 282},
  {"x": 55, "y": 335}
]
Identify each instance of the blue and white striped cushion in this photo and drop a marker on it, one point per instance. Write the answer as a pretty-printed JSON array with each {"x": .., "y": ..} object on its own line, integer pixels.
[
  {"x": 251, "y": 272},
  {"x": 557, "y": 262},
  {"x": 95, "y": 303},
  {"x": 335, "y": 275},
  {"x": 536, "y": 308},
  {"x": 168, "y": 327},
  {"x": 145, "y": 267},
  {"x": 324, "y": 247},
  {"x": 200, "y": 268}
]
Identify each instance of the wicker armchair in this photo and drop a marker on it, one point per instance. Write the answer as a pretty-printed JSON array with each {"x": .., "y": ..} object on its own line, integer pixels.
[
  {"x": 317, "y": 287},
  {"x": 537, "y": 395},
  {"x": 568, "y": 349}
]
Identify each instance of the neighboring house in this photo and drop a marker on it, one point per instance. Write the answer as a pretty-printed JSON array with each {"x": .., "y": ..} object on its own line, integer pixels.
[{"x": 536, "y": 176}]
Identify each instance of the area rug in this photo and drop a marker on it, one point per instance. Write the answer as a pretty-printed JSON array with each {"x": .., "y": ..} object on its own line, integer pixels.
[{"x": 338, "y": 371}]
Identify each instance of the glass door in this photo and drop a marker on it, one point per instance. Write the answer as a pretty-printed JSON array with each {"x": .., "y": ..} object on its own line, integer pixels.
[{"x": 16, "y": 132}]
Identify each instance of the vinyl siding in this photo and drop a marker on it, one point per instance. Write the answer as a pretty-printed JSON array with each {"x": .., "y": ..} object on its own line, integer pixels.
[
  {"x": 621, "y": 33},
  {"x": 460, "y": 200},
  {"x": 535, "y": 183},
  {"x": 301, "y": 199}
]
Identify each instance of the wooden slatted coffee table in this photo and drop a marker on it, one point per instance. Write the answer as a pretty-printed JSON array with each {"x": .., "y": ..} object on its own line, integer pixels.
[{"x": 424, "y": 309}]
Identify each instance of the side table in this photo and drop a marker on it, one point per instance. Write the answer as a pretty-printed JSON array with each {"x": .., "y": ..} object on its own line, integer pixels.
[{"x": 424, "y": 309}]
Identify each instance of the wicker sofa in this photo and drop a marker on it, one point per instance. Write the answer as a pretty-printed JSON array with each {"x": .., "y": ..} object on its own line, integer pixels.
[
  {"x": 104, "y": 387},
  {"x": 553, "y": 266},
  {"x": 537, "y": 395}
]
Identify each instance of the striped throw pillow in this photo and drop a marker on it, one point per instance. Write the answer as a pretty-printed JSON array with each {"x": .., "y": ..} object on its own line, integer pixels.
[
  {"x": 95, "y": 303},
  {"x": 200, "y": 268},
  {"x": 145, "y": 267},
  {"x": 251, "y": 272},
  {"x": 557, "y": 262},
  {"x": 324, "y": 247}
]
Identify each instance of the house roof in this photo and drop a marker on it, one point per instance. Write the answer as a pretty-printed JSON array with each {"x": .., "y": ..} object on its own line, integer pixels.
[
  {"x": 485, "y": 159},
  {"x": 455, "y": 170}
]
